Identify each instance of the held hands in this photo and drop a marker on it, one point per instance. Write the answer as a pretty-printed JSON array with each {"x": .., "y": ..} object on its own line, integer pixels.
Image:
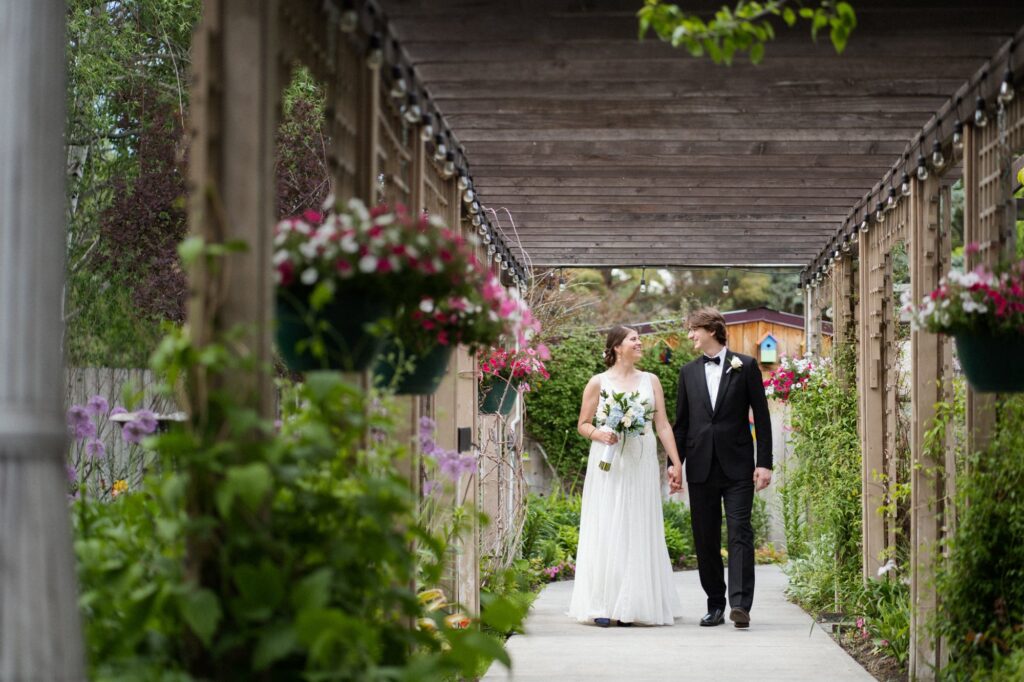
[
  {"x": 675, "y": 479},
  {"x": 762, "y": 477}
]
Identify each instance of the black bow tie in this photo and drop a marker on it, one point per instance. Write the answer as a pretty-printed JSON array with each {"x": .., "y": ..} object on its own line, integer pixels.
[{"x": 717, "y": 360}]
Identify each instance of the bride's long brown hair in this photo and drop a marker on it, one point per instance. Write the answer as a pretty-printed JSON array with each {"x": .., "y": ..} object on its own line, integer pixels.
[{"x": 615, "y": 338}]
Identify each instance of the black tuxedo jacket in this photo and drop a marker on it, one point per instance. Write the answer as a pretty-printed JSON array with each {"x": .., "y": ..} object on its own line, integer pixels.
[{"x": 699, "y": 430}]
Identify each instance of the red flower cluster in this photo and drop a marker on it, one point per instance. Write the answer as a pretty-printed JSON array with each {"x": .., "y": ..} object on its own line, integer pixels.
[
  {"x": 517, "y": 367},
  {"x": 792, "y": 375}
]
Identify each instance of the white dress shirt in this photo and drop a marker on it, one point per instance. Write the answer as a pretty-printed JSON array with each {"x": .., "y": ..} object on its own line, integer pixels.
[{"x": 713, "y": 374}]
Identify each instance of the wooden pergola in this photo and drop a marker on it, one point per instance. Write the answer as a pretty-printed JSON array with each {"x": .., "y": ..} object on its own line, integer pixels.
[
  {"x": 605, "y": 151},
  {"x": 612, "y": 151}
]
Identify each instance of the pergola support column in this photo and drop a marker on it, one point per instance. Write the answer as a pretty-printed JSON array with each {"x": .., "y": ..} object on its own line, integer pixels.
[
  {"x": 40, "y": 631},
  {"x": 928, "y": 243},
  {"x": 872, "y": 400}
]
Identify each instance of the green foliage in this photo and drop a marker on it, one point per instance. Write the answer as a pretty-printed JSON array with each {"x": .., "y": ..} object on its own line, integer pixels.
[
  {"x": 117, "y": 52},
  {"x": 553, "y": 412},
  {"x": 288, "y": 554},
  {"x": 822, "y": 492},
  {"x": 678, "y": 534},
  {"x": 745, "y": 28},
  {"x": 885, "y": 605},
  {"x": 130, "y": 573},
  {"x": 982, "y": 581},
  {"x": 551, "y": 530}
]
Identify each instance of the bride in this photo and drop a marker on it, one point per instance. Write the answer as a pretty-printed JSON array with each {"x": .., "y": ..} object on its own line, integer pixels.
[{"x": 623, "y": 572}]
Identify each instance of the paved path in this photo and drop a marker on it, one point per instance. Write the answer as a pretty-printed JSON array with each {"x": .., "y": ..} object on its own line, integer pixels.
[{"x": 781, "y": 644}]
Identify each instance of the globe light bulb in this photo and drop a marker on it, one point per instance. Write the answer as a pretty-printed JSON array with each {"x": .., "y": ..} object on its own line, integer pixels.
[
  {"x": 440, "y": 150},
  {"x": 905, "y": 184},
  {"x": 864, "y": 225},
  {"x": 980, "y": 115},
  {"x": 398, "y": 85},
  {"x": 878, "y": 212},
  {"x": 938, "y": 158},
  {"x": 1006, "y": 92},
  {"x": 426, "y": 128},
  {"x": 958, "y": 137},
  {"x": 725, "y": 286},
  {"x": 374, "y": 52},
  {"x": 890, "y": 202},
  {"x": 463, "y": 182},
  {"x": 922, "y": 168},
  {"x": 468, "y": 196}
]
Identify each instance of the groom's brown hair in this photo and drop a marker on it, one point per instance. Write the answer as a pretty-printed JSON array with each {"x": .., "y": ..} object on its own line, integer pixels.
[{"x": 710, "y": 319}]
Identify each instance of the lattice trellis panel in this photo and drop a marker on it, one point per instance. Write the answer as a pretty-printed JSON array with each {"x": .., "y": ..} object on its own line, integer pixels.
[{"x": 394, "y": 155}]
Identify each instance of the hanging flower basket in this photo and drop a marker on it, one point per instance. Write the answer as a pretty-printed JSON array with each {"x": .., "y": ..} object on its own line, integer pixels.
[
  {"x": 992, "y": 364},
  {"x": 984, "y": 311},
  {"x": 338, "y": 336},
  {"x": 425, "y": 375},
  {"x": 499, "y": 397}
]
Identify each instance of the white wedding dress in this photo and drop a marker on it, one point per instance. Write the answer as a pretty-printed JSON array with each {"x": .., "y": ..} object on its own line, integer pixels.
[{"x": 622, "y": 567}]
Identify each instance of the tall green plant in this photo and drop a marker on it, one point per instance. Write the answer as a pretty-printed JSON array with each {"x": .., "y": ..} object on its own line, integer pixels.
[
  {"x": 982, "y": 580},
  {"x": 822, "y": 492}
]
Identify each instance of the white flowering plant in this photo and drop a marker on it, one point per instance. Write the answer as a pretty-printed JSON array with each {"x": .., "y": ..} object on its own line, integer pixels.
[
  {"x": 795, "y": 374},
  {"x": 981, "y": 301},
  {"x": 381, "y": 250},
  {"x": 625, "y": 415}
]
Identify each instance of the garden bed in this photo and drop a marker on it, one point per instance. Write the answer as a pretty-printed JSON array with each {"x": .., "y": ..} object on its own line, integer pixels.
[{"x": 883, "y": 668}]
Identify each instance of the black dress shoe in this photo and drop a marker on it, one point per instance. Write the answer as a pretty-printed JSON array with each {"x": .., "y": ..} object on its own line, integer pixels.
[
  {"x": 623, "y": 625},
  {"x": 713, "y": 617},
  {"x": 740, "y": 617}
]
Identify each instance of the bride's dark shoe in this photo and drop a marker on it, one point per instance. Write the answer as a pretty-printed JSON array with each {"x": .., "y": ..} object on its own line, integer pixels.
[
  {"x": 623, "y": 625},
  {"x": 602, "y": 622}
]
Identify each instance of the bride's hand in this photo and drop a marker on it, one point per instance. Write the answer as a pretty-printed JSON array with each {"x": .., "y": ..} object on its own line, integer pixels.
[{"x": 606, "y": 437}]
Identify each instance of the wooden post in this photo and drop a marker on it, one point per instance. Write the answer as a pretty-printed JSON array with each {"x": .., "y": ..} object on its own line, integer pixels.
[
  {"x": 926, "y": 493},
  {"x": 40, "y": 632},
  {"x": 871, "y": 403},
  {"x": 234, "y": 115},
  {"x": 980, "y": 407}
]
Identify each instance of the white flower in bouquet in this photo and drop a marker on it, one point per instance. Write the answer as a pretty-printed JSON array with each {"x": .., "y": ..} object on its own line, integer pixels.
[{"x": 624, "y": 415}]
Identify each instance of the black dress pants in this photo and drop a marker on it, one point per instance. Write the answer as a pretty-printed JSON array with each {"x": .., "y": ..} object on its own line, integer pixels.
[{"x": 706, "y": 500}]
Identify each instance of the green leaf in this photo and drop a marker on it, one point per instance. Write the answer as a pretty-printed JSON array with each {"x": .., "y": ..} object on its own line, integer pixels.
[
  {"x": 191, "y": 249},
  {"x": 756, "y": 53},
  {"x": 274, "y": 644},
  {"x": 789, "y": 16},
  {"x": 806, "y": 12},
  {"x": 502, "y": 614},
  {"x": 261, "y": 588},
  {"x": 313, "y": 591},
  {"x": 249, "y": 482},
  {"x": 201, "y": 611}
]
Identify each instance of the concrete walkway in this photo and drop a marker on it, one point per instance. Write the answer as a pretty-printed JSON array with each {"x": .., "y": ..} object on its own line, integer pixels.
[{"x": 781, "y": 644}]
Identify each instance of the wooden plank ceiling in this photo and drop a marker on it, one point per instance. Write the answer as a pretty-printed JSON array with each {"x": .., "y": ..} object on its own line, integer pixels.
[{"x": 613, "y": 152}]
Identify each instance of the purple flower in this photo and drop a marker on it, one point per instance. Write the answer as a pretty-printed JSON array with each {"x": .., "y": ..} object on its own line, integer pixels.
[
  {"x": 72, "y": 474},
  {"x": 117, "y": 410},
  {"x": 147, "y": 420},
  {"x": 97, "y": 405},
  {"x": 133, "y": 432},
  {"x": 77, "y": 415},
  {"x": 95, "y": 448},
  {"x": 85, "y": 430},
  {"x": 429, "y": 487}
]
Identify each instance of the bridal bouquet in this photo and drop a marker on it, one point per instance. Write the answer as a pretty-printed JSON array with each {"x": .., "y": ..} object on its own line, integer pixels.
[{"x": 624, "y": 415}]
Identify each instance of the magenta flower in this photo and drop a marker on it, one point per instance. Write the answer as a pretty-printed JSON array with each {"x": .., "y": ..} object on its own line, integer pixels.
[{"x": 97, "y": 405}]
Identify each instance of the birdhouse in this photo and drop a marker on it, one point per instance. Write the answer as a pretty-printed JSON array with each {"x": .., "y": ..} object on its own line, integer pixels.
[{"x": 768, "y": 349}]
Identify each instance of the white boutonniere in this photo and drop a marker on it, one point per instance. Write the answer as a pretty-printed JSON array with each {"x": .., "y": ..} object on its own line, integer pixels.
[{"x": 735, "y": 364}]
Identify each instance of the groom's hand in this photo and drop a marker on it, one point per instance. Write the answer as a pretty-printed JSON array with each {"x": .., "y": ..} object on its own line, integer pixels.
[{"x": 762, "y": 477}]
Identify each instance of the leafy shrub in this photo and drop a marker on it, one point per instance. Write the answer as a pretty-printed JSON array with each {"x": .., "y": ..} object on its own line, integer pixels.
[
  {"x": 285, "y": 555},
  {"x": 822, "y": 492},
  {"x": 885, "y": 605},
  {"x": 982, "y": 582}
]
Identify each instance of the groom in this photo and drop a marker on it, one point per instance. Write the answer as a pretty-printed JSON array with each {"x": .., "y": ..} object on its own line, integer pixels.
[{"x": 717, "y": 391}]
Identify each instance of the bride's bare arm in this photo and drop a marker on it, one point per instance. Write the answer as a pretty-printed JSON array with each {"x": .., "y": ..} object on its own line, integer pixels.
[
  {"x": 585, "y": 426},
  {"x": 661, "y": 424}
]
